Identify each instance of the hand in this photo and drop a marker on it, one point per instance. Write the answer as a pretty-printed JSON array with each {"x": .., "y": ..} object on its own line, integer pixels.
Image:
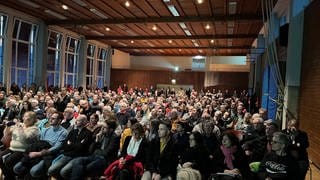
[
  {"x": 187, "y": 165},
  {"x": 156, "y": 176},
  {"x": 122, "y": 161},
  {"x": 34, "y": 154},
  {"x": 247, "y": 152}
]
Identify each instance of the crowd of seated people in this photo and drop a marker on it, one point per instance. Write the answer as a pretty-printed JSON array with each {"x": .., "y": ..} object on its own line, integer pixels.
[{"x": 136, "y": 133}]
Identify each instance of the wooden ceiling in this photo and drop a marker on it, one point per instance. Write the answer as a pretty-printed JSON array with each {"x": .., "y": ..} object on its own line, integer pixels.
[{"x": 151, "y": 27}]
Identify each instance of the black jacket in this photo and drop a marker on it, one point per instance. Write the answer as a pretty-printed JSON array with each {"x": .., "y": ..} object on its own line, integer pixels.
[
  {"x": 77, "y": 144},
  {"x": 142, "y": 152},
  {"x": 164, "y": 163}
]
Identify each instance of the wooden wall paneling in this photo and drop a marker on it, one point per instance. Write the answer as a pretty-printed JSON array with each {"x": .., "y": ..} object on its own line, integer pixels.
[
  {"x": 146, "y": 78},
  {"x": 309, "y": 102}
]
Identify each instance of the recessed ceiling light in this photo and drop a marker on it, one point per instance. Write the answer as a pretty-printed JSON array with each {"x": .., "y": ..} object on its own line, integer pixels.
[
  {"x": 211, "y": 41},
  {"x": 107, "y": 29},
  {"x": 207, "y": 26},
  {"x": 200, "y": 51},
  {"x": 154, "y": 27},
  {"x": 180, "y": 50},
  {"x": 199, "y": 1},
  {"x": 170, "y": 41},
  {"x": 127, "y": 3},
  {"x": 132, "y": 41},
  {"x": 65, "y": 7}
]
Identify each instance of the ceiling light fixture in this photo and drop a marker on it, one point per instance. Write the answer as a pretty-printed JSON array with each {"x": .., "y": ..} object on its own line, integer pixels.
[
  {"x": 188, "y": 33},
  {"x": 127, "y": 4},
  {"x": 98, "y": 13},
  {"x": 183, "y": 25},
  {"x": 131, "y": 41},
  {"x": 207, "y": 26},
  {"x": 57, "y": 15},
  {"x": 170, "y": 41},
  {"x": 211, "y": 41},
  {"x": 173, "y": 10},
  {"x": 122, "y": 44},
  {"x": 107, "y": 29},
  {"x": 29, "y": 3},
  {"x": 180, "y": 50},
  {"x": 154, "y": 27},
  {"x": 81, "y": 3},
  {"x": 97, "y": 32},
  {"x": 199, "y": 1},
  {"x": 65, "y": 7}
]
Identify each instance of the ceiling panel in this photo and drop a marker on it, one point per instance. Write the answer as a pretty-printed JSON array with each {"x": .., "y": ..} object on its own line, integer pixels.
[{"x": 233, "y": 23}]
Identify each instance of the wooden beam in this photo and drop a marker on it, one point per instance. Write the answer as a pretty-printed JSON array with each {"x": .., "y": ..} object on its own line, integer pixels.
[
  {"x": 218, "y": 36},
  {"x": 215, "y": 18},
  {"x": 187, "y": 54},
  {"x": 181, "y": 47}
]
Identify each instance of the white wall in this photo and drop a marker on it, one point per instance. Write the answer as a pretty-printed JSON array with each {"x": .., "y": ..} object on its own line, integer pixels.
[
  {"x": 120, "y": 60},
  {"x": 161, "y": 62}
]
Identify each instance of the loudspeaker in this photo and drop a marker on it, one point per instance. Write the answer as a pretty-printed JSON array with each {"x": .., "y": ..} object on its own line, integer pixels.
[{"x": 283, "y": 35}]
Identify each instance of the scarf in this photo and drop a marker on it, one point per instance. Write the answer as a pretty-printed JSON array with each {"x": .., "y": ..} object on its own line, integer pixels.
[{"x": 228, "y": 155}]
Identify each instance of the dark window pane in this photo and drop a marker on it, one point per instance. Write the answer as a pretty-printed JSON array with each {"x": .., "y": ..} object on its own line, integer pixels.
[
  {"x": 14, "y": 62},
  {"x": 22, "y": 55},
  {"x": 51, "y": 60},
  {"x": 50, "y": 79},
  {"x": 89, "y": 81},
  {"x": 100, "y": 68},
  {"x": 69, "y": 63},
  {"x": 25, "y": 30},
  {"x": 67, "y": 43},
  {"x": 13, "y": 75},
  {"x": 91, "y": 50},
  {"x": 72, "y": 45},
  {"x": 69, "y": 80},
  {"x": 22, "y": 77},
  {"x": 89, "y": 66},
  {"x": 53, "y": 39},
  {"x": 100, "y": 82},
  {"x": 15, "y": 29}
]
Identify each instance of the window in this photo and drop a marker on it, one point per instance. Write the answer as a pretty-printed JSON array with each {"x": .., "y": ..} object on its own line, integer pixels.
[
  {"x": 90, "y": 66},
  {"x": 71, "y": 62},
  {"x": 23, "y": 52},
  {"x": 101, "y": 65},
  {"x": 54, "y": 58},
  {"x": 3, "y": 24}
]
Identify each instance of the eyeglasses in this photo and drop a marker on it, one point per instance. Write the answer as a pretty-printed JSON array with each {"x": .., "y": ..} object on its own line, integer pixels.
[{"x": 276, "y": 142}]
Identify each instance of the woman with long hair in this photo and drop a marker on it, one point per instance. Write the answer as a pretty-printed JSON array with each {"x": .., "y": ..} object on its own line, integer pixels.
[
  {"x": 132, "y": 157},
  {"x": 196, "y": 156},
  {"x": 230, "y": 158}
]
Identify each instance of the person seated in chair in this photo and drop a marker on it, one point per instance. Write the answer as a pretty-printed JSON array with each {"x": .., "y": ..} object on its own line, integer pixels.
[
  {"x": 40, "y": 154},
  {"x": 278, "y": 164}
]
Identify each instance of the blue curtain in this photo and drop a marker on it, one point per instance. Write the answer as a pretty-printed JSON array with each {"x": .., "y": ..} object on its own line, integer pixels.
[{"x": 269, "y": 92}]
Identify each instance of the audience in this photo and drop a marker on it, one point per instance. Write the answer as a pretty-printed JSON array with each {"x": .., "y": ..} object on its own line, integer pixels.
[{"x": 165, "y": 133}]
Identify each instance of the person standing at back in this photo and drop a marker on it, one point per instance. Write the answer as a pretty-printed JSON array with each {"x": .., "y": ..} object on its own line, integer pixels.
[{"x": 298, "y": 144}]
